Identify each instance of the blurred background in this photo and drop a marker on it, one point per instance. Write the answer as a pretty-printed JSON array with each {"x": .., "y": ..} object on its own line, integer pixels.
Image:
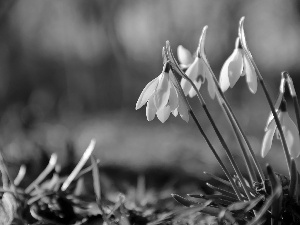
[{"x": 73, "y": 70}]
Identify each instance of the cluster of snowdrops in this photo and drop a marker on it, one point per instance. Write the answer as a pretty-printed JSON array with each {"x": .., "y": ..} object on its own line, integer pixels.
[{"x": 166, "y": 95}]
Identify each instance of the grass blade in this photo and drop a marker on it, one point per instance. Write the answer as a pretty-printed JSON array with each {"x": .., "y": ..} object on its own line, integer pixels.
[
  {"x": 245, "y": 206},
  {"x": 277, "y": 202},
  {"x": 222, "y": 191},
  {"x": 96, "y": 179},
  {"x": 218, "y": 179},
  {"x": 78, "y": 167},
  {"x": 20, "y": 176},
  {"x": 184, "y": 201},
  {"x": 259, "y": 217},
  {"x": 44, "y": 174},
  {"x": 225, "y": 198}
]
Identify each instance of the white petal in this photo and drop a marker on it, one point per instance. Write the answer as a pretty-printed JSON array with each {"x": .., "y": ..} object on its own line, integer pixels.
[
  {"x": 162, "y": 92},
  {"x": 291, "y": 135},
  {"x": 150, "y": 109},
  {"x": 211, "y": 86},
  {"x": 192, "y": 92},
  {"x": 192, "y": 72},
  {"x": 175, "y": 112},
  {"x": 182, "y": 109},
  {"x": 173, "y": 99},
  {"x": 251, "y": 76},
  {"x": 147, "y": 92},
  {"x": 223, "y": 79},
  {"x": 235, "y": 67},
  {"x": 268, "y": 138},
  {"x": 184, "y": 55},
  {"x": 163, "y": 114}
]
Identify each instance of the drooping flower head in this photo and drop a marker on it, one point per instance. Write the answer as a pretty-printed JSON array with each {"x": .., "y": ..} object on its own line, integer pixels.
[
  {"x": 238, "y": 64},
  {"x": 163, "y": 97},
  {"x": 198, "y": 71},
  {"x": 290, "y": 132}
]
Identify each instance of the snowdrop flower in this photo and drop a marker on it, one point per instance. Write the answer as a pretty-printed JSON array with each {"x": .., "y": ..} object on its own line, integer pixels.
[
  {"x": 290, "y": 132},
  {"x": 163, "y": 97},
  {"x": 185, "y": 57},
  {"x": 199, "y": 71},
  {"x": 238, "y": 64}
]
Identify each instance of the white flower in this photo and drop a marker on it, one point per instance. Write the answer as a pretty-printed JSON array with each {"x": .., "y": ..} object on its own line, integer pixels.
[
  {"x": 238, "y": 64},
  {"x": 185, "y": 57},
  {"x": 290, "y": 132},
  {"x": 199, "y": 71},
  {"x": 163, "y": 97}
]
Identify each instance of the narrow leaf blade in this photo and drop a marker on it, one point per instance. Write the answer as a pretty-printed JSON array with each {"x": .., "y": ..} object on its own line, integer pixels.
[{"x": 96, "y": 179}]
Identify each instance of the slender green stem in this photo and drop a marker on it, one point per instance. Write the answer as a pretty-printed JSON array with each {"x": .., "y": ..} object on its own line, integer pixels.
[
  {"x": 231, "y": 159},
  {"x": 235, "y": 188},
  {"x": 256, "y": 163},
  {"x": 239, "y": 137},
  {"x": 238, "y": 132},
  {"x": 278, "y": 124},
  {"x": 275, "y": 115},
  {"x": 203, "y": 104},
  {"x": 262, "y": 83}
]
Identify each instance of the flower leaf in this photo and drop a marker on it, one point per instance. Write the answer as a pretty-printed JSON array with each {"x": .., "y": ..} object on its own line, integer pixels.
[
  {"x": 277, "y": 201},
  {"x": 245, "y": 206},
  {"x": 184, "y": 201},
  {"x": 260, "y": 215},
  {"x": 96, "y": 179}
]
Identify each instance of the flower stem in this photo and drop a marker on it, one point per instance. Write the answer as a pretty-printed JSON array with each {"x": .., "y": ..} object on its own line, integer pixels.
[
  {"x": 222, "y": 141},
  {"x": 239, "y": 133},
  {"x": 278, "y": 124},
  {"x": 234, "y": 186},
  {"x": 262, "y": 83},
  {"x": 203, "y": 104},
  {"x": 256, "y": 163}
]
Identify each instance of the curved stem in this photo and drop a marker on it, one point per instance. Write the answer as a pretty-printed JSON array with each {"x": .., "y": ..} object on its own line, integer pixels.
[
  {"x": 235, "y": 188},
  {"x": 233, "y": 184},
  {"x": 231, "y": 159},
  {"x": 239, "y": 130},
  {"x": 279, "y": 127},
  {"x": 240, "y": 135},
  {"x": 278, "y": 124},
  {"x": 256, "y": 163}
]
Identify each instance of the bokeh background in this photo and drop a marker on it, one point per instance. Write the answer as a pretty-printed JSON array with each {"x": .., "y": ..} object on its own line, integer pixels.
[{"x": 72, "y": 70}]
